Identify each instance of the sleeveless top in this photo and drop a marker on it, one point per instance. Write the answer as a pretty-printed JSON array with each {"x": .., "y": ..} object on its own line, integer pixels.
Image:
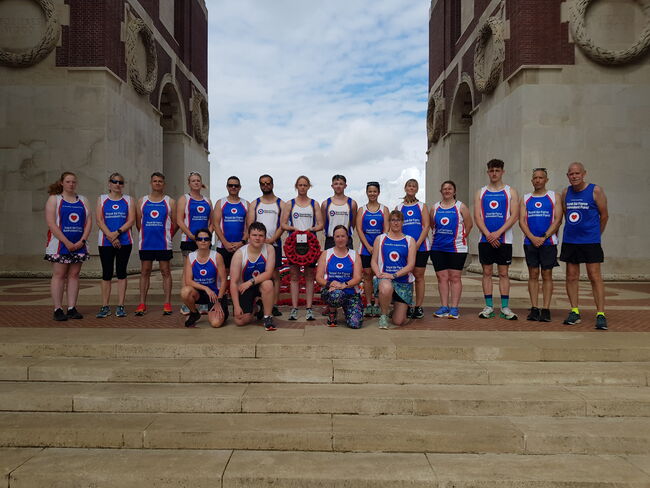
[
  {"x": 205, "y": 273},
  {"x": 393, "y": 256},
  {"x": 337, "y": 215},
  {"x": 340, "y": 269},
  {"x": 582, "y": 223},
  {"x": 540, "y": 215},
  {"x": 71, "y": 219},
  {"x": 196, "y": 215},
  {"x": 372, "y": 225},
  {"x": 116, "y": 213},
  {"x": 496, "y": 208},
  {"x": 251, "y": 269},
  {"x": 156, "y": 225},
  {"x": 233, "y": 220},
  {"x": 269, "y": 215},
  {"x": 413, "y": 222},
  {"x": 302, "y": 218},
  {"x": 448, "y": 229}
]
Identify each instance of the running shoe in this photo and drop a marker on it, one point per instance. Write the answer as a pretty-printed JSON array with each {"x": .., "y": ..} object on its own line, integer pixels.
[
  {"x": 59, "y": 315},
  {"x": 409, "y": 313},
  {"x": 368, "y": 311},
  {"x": 508, "y": 314},
  {"x": 309, "y": 315},
  {"x": 104, "y": 312},
  {"x": 376, "y": 311},
  {"x": 192, "y": 319},
  {"x": 268, "y": 324},
  {"x": 332, "y": 320},
  {"x": 276, "y": 312},
  {"x": 453, "y": 313},
  {"x": 441, "y": 312},
  {"x": 140, "y": 310},
  {"x": 417, "y": 313},
  {"x": 383, "y": 321},
  {"x": 259, "y": 315},
  {"x": 185, "y": 310},
  {"x": 534, "y": 315},
  {"x": 204, "y": 308},
  {"x": 167, "y": 309},
  {"x": 601, "y": 322},
  {"x": 293, "y": 315},
  {"x": 573, "y": 318},
  {"x": 119, "y": 311},
  {"x": 545, "y": 315},
  {"x": 74, "y": 314},
  {"x": 486, "y": 313}
]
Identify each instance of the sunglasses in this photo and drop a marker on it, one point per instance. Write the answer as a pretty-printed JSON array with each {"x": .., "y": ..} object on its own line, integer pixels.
[
  {"x": 234, "y": 185},
  {"x": 203, "y": 239},
  {"x": 117, "y": 182},
  {"x": 192, "y": 173}
]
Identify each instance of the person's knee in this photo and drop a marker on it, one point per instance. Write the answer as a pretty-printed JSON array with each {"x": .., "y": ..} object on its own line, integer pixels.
[
  {"x": 572, "y": 273},
  {"x": 418, "y": 273},
  {"x": 294, "y": 272},
  {"x": 487, "y": 271},
  {"x": 455, "y": 277},
  {"x": 547, "y": 275},
  {"x": 165, "y": 271},
  {"x": 217, "y": 322},
  {"x": 533, "y": 273},
  {"x": 187, "y": 293},
  {"x": 145, "y": 269},
  {"x": 266, "y": 286},
  {"x": 503, "y": 272},
  {"x": 385, "y": 288}
]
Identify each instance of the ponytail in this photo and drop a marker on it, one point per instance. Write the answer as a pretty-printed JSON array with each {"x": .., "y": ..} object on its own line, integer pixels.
[{"x": 56, "y": 188}]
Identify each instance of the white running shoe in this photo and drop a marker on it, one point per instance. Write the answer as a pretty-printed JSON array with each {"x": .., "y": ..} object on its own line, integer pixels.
[
  {"x": 507, "y": 314},
  {"x": 486, "y": 313}
]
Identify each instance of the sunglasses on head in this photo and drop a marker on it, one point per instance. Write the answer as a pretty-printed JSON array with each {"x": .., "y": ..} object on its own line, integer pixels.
[
  {"x": 117, "y": 182},
  {"x": 203, "y": 239}
]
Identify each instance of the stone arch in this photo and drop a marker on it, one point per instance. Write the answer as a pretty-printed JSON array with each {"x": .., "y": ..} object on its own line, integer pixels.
[
  {"x": 459, "y": 139},
  {"x": 460, "y": 115},
  {"x": 170, "y": 104}
]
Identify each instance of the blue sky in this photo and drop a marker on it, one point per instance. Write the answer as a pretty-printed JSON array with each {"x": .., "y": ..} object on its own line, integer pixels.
[{"x": 318, "y": 88}]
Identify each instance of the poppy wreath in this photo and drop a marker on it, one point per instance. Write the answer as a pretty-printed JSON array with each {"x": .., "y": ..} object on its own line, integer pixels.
[{"x": 313, "y": 251}]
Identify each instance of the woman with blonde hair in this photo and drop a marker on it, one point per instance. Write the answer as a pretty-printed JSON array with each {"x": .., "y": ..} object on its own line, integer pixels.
[{"x": 68, "y": 219}]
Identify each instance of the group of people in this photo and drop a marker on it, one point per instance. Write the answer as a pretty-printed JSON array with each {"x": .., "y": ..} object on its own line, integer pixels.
[{"x": 389, "y": 267}]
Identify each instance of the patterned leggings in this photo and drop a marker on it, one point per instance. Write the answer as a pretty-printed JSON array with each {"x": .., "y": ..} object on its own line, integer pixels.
[{"x": 351, "y": 304}]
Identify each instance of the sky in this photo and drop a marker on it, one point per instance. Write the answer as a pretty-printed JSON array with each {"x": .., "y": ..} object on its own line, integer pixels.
[{"x": 318, "y": 88}]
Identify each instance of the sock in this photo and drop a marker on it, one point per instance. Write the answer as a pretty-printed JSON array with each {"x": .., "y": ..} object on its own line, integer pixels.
[
  {"x": 488, "y": 300},
  {"x": 504, "y": 301},
  {"x": 267, "y": 316},
  {"x": 600, "y": 313},
  {"x": 575, "y": 310},
  {"x": 70, "y": 308}
]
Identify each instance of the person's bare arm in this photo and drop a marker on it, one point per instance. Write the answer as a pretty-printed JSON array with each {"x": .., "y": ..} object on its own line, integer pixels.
[
  {"x": 467, "y": 219},
  {"x": 601, "y": 201},
  {"x": 557, "y": 218},
  {"x": 319, "y": 218},
  {"x": 179, "y": 215}
]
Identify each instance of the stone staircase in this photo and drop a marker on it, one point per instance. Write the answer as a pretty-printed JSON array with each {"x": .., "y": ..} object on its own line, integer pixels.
[{"x": 321, "y": 407}]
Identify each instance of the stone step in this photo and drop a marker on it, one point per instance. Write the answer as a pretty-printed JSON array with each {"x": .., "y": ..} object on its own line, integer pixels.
[
  {"x": 250, "y": 370},
  {"x": 325, "y": 343},
  {"x": 470, "y": 400},
  {"x": 302, "y": 432},
  {"x": 133, "y": 468}
]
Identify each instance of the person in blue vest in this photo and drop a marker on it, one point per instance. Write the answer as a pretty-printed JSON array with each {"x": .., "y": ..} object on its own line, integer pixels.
[
  {"x": 69, "y": 222},
  {"x": 339, "y": 273},
  {"x": 451, "y": 223},
  {"x": 393, "y": 260},
  {"x": 496, "y": 211},
  {"x": 156, "y": 221},
  {"x": 205, "y": 282},
  {"x": 115, "y": 217},
  {"x": 267, "y": 209},
  {"x": 302, "y": 214},
  {"x": 585, "y": 215},
  {"x": 339, "y": 209},
  {"x": 229, "y": 221},
  {"x": 540, "y": 218},
  {"x": 251, "y": 278}
]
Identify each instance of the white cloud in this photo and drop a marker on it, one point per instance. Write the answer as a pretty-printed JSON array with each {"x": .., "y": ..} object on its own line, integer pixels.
[{"x": 318, "y": 88}]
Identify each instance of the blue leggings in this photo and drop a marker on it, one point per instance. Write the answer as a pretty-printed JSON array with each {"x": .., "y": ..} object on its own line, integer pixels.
[{"x": 351, "y": 304}]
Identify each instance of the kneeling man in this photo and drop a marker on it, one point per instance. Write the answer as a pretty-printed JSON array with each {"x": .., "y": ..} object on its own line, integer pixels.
[{"x": 251, "y": 276}]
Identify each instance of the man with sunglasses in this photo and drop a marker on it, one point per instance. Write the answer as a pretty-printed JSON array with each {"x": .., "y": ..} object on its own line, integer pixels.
[
  {"x": 267, "y": 209},
  {"x": 229, "y": 221},
  {"x": 339, "y": 209},
  {"x": 540, "y": 217},
  {"x": 157, "y": 225}
]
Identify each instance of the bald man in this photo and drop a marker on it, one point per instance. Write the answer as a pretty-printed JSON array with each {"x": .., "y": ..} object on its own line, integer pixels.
[{"x": 585, "y": 211}]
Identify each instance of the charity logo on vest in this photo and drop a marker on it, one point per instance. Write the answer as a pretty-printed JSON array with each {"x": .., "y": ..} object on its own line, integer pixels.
[
  {"x": 296, "y": 215},
  {"x": 409, "y": 213},
  {"x": 538, "y": 204},
  {"x": 256, "y": 273},
  {"x": 260, "y": 211},
  {"x": 339, "y": 265},
  {"x": 200, "y": 209},
  {"x": 115, "y": 206},
  {"x": 373, "y": 222},
  {"x": 74, "y": 218},
  {"x": 494, "y": 204},
  {"x": 154, "y": 214},
  {"x": 394, "y": 256},
  {"x": 233, "y": 210},
  {"x": 332, "y": 213},
  {"x": 203, "y": 272},
  {"x": 444, "y": 221},
  {"x": 574, "y": 217}
]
